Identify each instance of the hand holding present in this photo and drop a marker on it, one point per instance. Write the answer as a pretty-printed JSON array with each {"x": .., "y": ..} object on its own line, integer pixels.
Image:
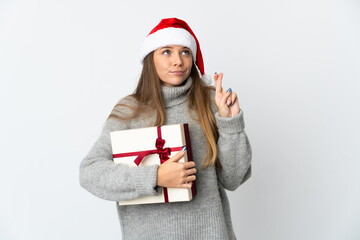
[{"x": 173, "y": 174}]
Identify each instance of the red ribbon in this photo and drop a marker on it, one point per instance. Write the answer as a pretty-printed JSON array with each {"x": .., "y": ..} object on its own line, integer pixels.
[{"x": 164, "y": 154}]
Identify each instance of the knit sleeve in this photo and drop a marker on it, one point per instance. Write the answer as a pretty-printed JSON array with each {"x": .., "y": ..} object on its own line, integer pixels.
[
  {"x": 116, "y": 182},
  {"x": 233, "y": 146},
  {"x": 234, "y": 151}
]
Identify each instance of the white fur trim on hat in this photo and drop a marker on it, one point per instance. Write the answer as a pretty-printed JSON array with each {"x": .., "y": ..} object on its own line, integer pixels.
[{"x": 168, "y": 36}]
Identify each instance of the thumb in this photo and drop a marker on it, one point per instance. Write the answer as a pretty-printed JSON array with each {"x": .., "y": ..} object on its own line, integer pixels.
[{"x": 178, "y": 155}]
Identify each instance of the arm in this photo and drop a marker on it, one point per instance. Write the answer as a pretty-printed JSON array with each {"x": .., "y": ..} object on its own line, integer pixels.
[
  {"x": 116, "y": 182},
  {"x": 234, "y": 151}
]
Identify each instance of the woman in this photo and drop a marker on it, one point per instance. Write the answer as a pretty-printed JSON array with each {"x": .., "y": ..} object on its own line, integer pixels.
[{"x": 170, "y": 91}]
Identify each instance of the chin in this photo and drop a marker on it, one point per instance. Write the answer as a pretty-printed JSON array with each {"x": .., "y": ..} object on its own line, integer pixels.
[
  {"x": 179, "y": 82},
  {"x": 174, "y": 82}
]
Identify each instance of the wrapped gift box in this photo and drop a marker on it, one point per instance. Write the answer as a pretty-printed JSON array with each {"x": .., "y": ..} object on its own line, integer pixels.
[{"x": 130, "y": 147}]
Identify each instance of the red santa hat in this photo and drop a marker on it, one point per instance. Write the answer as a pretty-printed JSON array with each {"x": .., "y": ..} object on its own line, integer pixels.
[{"x": 173, "y": 31}]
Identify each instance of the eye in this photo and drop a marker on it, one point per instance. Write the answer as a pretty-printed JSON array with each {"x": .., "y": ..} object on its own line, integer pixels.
[
  {"x": 166, "y": 52},
  {"x": 187, "y": 52}
]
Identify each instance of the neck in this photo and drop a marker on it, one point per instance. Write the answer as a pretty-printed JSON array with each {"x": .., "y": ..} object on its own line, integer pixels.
[{"x": 175, "y": 95}]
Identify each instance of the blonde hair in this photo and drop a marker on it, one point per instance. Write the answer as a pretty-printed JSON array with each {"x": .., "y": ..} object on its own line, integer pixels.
[{"x": 149, "y": 98}]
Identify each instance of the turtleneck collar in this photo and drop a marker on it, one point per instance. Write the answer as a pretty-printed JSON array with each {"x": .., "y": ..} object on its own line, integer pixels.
[{"x": 176, "y": 95}]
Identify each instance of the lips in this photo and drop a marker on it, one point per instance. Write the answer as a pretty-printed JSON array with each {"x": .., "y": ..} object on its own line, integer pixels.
[{"x": 177, "y": 72}]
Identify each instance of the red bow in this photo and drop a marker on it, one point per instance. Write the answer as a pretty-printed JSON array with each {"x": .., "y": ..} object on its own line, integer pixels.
[{"x": 164, "y": 153}]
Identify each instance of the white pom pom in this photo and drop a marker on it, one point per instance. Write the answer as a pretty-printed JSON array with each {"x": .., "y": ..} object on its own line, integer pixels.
[{"x": 207, "y": 79}]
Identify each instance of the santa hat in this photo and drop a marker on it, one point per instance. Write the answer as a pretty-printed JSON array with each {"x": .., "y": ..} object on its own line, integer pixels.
[{"x": 173, "y": 31}]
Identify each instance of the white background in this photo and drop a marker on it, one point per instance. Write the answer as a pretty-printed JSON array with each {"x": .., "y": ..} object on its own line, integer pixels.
[{"x": 295, "y": 66}]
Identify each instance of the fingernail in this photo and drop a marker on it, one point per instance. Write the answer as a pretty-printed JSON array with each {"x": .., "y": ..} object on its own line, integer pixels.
[
  {"x": 215, "y": 72},
  {"x": 229, "y": 90},
  {"x": 183, "y": 149}
]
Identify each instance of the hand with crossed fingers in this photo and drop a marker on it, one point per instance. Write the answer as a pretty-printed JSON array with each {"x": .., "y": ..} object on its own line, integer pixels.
[{"x": 226, "y": 101}]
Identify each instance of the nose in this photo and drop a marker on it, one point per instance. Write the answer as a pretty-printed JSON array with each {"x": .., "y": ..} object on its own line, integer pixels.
[{"x": 177, "y": 59}]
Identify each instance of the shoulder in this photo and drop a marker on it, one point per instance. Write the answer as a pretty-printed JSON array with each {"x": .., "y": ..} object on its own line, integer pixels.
[
  {"x": 127, "y": 111},
  {"x": 116, "y": 120},
  {"x": 211, "y": 89},
  {"x": 213, "y": 107},
  {"x": 129, "y": 100},
  {"x": 125, "y": 106}
]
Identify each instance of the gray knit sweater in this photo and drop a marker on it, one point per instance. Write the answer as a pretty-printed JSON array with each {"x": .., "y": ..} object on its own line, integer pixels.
[{"x": 207, "y": 215}]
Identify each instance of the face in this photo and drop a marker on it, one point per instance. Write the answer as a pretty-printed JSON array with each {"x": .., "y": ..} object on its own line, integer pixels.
[{"x": 173, "y": 64}]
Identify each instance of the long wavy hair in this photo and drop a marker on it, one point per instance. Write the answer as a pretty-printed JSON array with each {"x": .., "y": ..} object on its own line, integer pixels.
[{"x": 149, "y": 99}]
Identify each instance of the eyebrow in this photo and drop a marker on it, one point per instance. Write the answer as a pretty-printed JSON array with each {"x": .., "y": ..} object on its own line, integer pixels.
[{"x": 172, "y": 47}]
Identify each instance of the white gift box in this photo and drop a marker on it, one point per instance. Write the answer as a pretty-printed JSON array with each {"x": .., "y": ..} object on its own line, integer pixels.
[{"x": 127, "y": 145}]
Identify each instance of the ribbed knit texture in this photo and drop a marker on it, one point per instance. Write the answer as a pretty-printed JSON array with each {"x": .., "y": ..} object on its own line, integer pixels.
[{"x": 207, "y": 215}]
